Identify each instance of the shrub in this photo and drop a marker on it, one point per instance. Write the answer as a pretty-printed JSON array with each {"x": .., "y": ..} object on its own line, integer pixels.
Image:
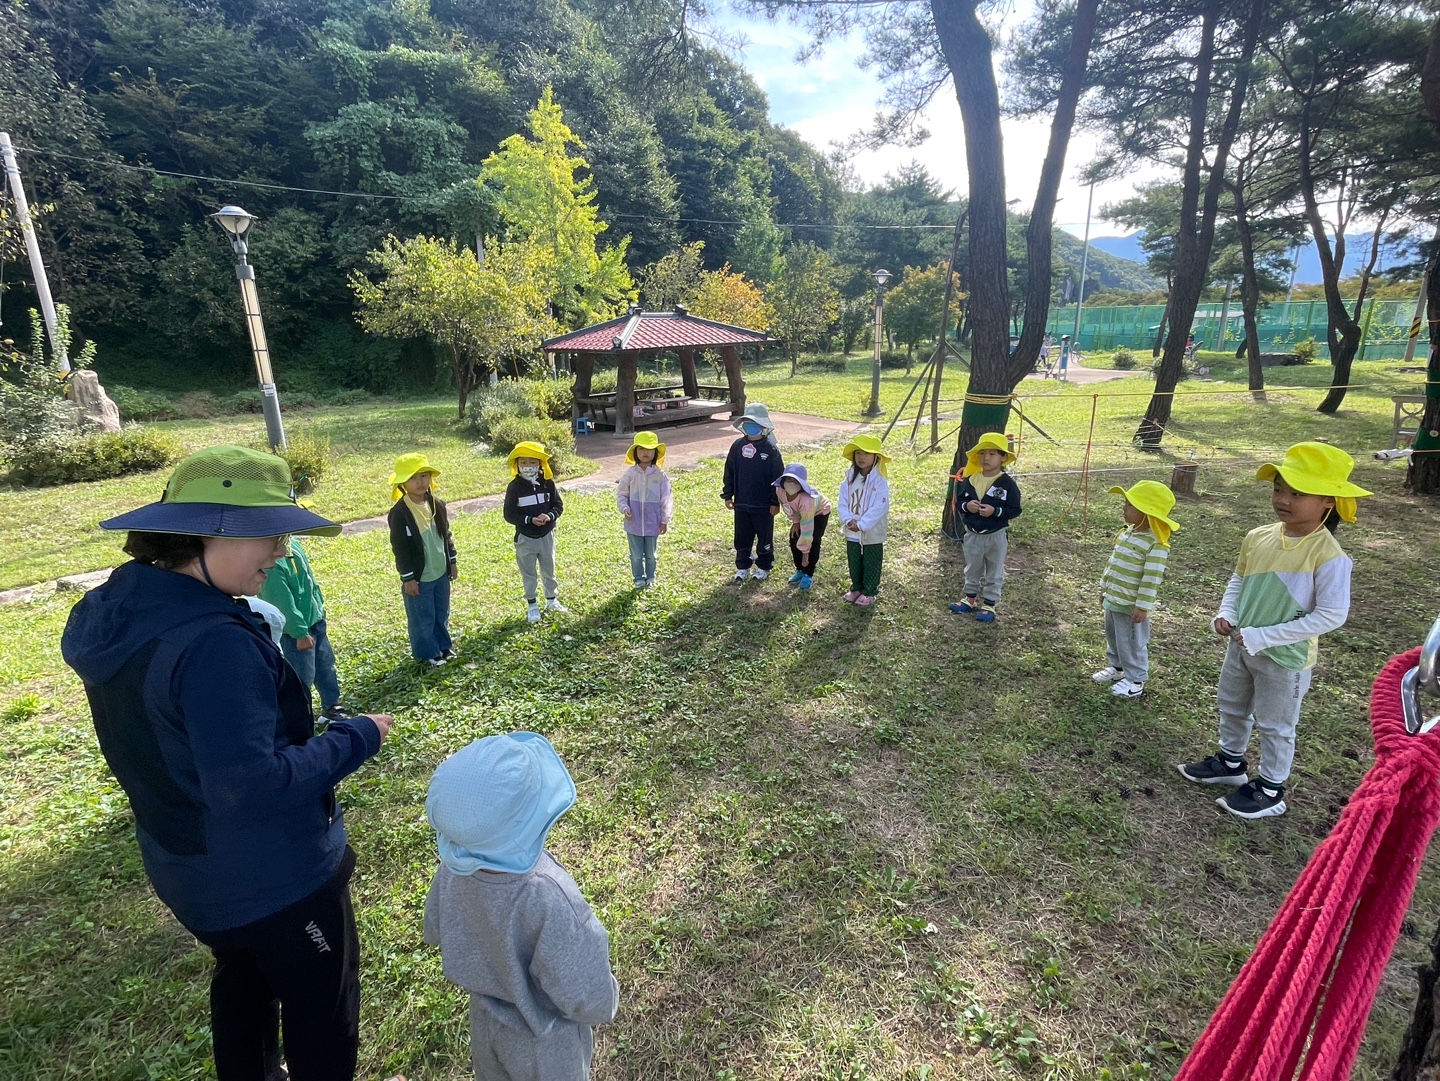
[
  {"x": 141, "y": 404},
  {"x": 489, "y": 405},
  {"x": 345, "y": 396},
  {"x": 894, "y": 358},
  {"x": 555, "y": 435},
  {"x": 308, "y": 456},
  {"x": 67, "y": 460},
  {"x": 551, "y": 397},
  {"x": 604, "y": 382},
  {"x": 1123, "y": 359},
  {"x": 1306, "y": 351},
  {"x": 823, "y": 364}
]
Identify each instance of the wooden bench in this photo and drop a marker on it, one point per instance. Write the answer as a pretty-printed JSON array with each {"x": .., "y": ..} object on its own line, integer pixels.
[
  {"x": 600, "y": 408},
  {"x": 1409, "y": 412}
]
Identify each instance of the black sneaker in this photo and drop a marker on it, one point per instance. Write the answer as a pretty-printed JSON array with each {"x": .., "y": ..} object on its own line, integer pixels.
[
  {"x": 1214, "y": 770},
  {"x": 1255, "y": 800},
  {"x": 336, "y": 713},
  {"x": 450, "y": 654}
]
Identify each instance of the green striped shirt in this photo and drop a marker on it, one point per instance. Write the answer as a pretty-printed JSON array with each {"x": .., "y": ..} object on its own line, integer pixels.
[{"x": 1137, "y": 567}]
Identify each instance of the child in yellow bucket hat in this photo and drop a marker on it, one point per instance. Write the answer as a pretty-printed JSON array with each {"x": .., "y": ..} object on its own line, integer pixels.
[
  {"x": 1292, "y": 566},
  {"x": 1130, "y": 586},
  {"x": 424, "y": 557},
  {"x": 645, "y": 500},
  {"x": 864, "y": 503},
  {"x": 532, "y": 505},
  {"x": 984, "y": 501}
]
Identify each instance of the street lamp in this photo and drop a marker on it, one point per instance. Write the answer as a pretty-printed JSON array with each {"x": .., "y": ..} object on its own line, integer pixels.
[
  {"x": 236, "y": 222},
  {"x": 882, "y": 277}
]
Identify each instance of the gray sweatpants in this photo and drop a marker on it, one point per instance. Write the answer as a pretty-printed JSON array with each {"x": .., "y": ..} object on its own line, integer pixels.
[
  {"x": 1127, "y": 645},
  {"x": 499, "y": 1052},
  {"x": 1257, "y": 692},
  {"x": 532, "y": 550},
  {"x": 985, "y": 564}
]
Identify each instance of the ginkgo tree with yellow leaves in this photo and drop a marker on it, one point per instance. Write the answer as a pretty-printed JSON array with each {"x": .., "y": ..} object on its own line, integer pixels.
[
  {"x": 485, "y": 316},
  {"x": 544, "y": 202}
]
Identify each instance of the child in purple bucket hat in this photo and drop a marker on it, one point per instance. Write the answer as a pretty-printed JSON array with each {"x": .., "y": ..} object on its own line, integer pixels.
[{"x": 808, "y": 513}]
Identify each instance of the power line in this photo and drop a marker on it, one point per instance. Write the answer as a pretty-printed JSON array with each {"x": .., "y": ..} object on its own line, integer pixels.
[
  {"x": 195, "y": 176},
  {"x": 778, "y": 225}
]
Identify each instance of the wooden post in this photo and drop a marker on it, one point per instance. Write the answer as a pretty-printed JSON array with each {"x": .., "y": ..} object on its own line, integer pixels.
[
  {"x": 1182, "y": 478},
  {"x": 734, "y": 378},
  {"x": 625, "y": 394},
  {"x": 687, "y": 373},
  {"x": 583, "y": 365}
]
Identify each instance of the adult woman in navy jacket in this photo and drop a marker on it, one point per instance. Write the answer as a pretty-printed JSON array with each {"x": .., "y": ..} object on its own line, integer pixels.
[{"x": 210, "y": 733}]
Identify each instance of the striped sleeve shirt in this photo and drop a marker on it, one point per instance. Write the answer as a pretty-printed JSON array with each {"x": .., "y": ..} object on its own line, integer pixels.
[{"x": 1137, "y": 567}]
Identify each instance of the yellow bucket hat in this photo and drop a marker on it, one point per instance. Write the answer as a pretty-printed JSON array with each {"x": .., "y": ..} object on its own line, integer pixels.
[
  {"x": 988, "y": 441},
  {"x": 1155, "y": 501},
  {"x": 1318, "y": 469},
  {"x": 870, "y": 445},
  {"x": 646, "y": 441},
  {"x": 406, "y": 466},
  {"x": 530, "y": 450}
]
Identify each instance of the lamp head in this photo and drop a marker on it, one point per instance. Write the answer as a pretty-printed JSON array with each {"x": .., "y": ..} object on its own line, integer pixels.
[
  {"x": 234, "y": 220},
  {"x": 882, "y": 278}
]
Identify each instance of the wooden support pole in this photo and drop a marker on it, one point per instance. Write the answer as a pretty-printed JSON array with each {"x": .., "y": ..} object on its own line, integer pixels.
[
  {"x": 625, "y": 394},
  {"x": 735, "y": 378},
  {"x": 687, "y": 373}
]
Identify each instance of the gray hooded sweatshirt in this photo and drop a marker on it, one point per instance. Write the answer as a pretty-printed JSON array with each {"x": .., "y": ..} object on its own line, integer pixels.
[{"x": 536, "y": 962}]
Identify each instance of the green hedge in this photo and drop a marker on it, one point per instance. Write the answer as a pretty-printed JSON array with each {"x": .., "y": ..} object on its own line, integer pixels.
[{"x": 58, "y": 459}]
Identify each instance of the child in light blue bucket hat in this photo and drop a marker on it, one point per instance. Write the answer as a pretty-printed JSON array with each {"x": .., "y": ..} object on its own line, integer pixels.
[{"x": 512, "y": 927}]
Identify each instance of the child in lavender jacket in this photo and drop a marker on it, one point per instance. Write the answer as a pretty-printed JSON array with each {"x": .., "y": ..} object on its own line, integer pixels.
[{"x": 644, "y": 498}]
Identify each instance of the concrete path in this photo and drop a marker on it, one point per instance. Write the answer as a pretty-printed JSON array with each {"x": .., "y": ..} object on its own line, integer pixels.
[
  {"x": 685, "y": 446},
  {"x": 1079, "y": 375}
]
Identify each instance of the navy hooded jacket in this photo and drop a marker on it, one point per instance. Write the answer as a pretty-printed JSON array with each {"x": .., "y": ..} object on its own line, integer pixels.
[{"x": 210, "y": 733}]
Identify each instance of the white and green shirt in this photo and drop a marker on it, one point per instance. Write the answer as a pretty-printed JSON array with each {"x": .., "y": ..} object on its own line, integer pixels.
[
  {"x": 1286, "y": 592},
  {"x": 1137, "y": 567}
]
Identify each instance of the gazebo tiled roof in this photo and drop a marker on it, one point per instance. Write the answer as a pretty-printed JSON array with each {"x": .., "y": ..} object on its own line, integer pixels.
[{"x": 639, "y": 330}]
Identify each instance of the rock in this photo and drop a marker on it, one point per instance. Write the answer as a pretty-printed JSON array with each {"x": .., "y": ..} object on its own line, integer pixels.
[{"x": 96, "y": 408}]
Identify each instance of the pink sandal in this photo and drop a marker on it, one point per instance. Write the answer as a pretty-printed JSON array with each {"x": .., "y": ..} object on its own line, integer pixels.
[
  {"x": 851, "y": 597},
  {"x": 864, "y": 601}
]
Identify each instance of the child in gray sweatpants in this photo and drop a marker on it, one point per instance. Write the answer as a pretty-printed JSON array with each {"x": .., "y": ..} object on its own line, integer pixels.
[
  {"x": 512, "y": 927},
  {"x": 1291, "y": 585}
]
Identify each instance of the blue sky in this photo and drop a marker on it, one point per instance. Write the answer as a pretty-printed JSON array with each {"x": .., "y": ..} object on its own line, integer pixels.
[{"x": 831, "y": 98}]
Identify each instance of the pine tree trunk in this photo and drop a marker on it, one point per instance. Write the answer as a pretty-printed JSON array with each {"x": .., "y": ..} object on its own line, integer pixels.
[
  {"x": 1249, "y": 288},
  {"x": 1423, "y": 477},
  {"x": 1420, "y": 1053}
]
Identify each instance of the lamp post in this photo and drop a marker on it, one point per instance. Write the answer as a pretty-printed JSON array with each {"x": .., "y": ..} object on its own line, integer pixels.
[
  {"x": 236, "y": 223},
  {"x": 882, "y": 277}
]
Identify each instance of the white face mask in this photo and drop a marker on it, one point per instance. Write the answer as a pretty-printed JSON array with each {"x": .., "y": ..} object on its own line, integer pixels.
[
  {"x": 530, "y": 473},
  {"x": 791, "y": 489}
]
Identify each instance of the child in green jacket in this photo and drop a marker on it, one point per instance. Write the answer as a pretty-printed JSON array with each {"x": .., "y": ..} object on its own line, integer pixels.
[{"x": 291, "y": 587}]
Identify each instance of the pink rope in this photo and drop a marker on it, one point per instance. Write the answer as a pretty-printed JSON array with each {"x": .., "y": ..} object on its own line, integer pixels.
[{"x": 1308, "y": 987}]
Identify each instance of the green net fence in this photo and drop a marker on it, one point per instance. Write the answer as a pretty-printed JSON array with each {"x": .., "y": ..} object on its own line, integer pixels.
[{"x": 1385, "y": 327}]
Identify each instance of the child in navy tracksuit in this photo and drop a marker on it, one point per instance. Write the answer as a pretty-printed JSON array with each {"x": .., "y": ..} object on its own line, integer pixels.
[
  {"x": 751, "y": 469},
  {"x": 987, "y": 500}
]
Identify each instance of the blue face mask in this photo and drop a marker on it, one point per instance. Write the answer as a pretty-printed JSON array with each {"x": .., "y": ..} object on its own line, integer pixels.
[{"x": 751, "y": 429}]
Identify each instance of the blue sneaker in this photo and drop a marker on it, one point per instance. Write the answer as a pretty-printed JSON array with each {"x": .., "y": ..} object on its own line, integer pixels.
[
  {"x": 796, "y": 578},
  {"x": 965, "y": 607},
  {"x": 805, "y": 581},
  {"x": 986, "y": 613}
]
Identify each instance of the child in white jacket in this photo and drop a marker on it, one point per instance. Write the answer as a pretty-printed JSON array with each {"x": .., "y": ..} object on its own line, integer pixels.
[{"x": 864, "y": 506}]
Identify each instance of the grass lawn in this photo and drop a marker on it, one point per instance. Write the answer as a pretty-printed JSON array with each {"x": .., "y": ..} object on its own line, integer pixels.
[
  {"x": 54, "y": 531},
  {"x": 827, "y": 842}
]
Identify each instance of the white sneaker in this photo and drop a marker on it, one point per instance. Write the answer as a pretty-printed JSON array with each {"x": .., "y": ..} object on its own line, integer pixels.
[
  {"x": 1108, "y": 674},
  {"x": 742, "y": 574},
  {"x": 1124, "y": 688},
  {"x": 759, "y": 575},
  {"x": 554, "y": 605},
  {"x": 532, "y": 614}
]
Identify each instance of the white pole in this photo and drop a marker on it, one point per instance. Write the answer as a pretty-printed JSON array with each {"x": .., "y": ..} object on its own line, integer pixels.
[
  {"x": 32, "y": 247},
  {"x": 1084, "y": 269}
]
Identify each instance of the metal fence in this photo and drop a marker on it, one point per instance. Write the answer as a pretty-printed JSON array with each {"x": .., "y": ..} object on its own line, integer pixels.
[{"x": 1384, "y": 324}]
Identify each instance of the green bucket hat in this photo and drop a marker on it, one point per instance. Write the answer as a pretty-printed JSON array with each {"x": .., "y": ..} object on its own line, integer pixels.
[{"x": 227, "y": 492}]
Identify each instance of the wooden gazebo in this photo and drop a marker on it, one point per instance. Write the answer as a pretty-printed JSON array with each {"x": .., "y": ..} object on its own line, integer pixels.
[{"x": 639, "y": 333}]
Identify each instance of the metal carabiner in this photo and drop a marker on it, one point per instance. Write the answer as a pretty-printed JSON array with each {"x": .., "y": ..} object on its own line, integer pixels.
[{"x": 1423, "y": 677}]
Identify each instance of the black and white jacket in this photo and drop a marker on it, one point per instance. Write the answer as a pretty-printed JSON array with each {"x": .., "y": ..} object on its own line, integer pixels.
[
  {"x": 1002, "y": 493},
  {"x": 525, "y": 500},
  {"x": 405, "y": 539}
]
